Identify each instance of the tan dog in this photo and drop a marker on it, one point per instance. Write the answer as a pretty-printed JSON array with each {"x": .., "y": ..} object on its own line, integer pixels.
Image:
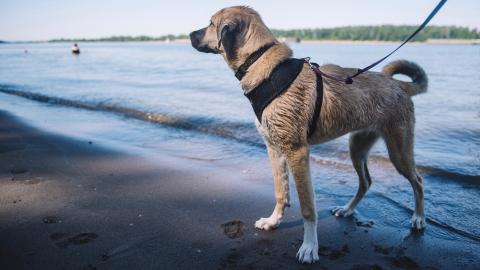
[{"x": 375, "y": 105}]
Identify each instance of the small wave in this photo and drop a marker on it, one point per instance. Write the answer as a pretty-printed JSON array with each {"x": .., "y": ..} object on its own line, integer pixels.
[
  {"x": 431, "y": 220},
  {"x": 434, "y": 171},
  {"x": 240, "y": 131},
  {"x": 341, "y": 159},
  {"x": 243, "y": 132}
]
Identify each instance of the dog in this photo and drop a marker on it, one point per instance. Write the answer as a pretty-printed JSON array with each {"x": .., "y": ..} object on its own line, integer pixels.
[{"x": 375, "y": 105}]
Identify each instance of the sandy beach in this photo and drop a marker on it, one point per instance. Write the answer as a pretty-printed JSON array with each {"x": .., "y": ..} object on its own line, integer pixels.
[{"x": 72, "y": 204}]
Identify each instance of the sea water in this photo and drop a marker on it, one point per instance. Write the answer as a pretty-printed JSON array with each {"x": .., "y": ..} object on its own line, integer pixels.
[{"x": 141, "y": 93}]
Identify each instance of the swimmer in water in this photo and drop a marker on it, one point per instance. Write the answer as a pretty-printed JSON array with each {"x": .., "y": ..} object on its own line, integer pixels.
[{"x": 75, "y": 49}]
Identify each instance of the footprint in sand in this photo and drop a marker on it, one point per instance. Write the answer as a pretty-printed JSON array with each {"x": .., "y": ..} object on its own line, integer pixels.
[
  {"x": 364, "y": 223},
  {"x": 233, "y": 229},
  {"x": 398, "y": 257},
  {"x": 79, "y": 239},
  {"x": 18, "y": 170},
  {"x": 404, "y": 262},
  {"x": 51, "y": 220},
  {"x": 333, "y": 254},
  {"x": 57, "y": 236},
  {"x": 232, "y": 261},
  {"x": 367, "y": 267},
  {"x": 383, "y": 250}
]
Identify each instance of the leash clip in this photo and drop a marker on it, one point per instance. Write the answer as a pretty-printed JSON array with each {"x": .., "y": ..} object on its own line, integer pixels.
[
  {"x": 312, "y": 65},
  {"x": 307, "y": 60}
]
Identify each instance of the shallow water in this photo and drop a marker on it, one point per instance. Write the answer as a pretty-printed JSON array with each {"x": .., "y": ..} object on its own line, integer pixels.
[{"x": 171, "y": 94}]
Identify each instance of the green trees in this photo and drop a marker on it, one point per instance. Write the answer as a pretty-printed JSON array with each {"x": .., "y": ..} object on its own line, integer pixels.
[
  {"x": 123, "y": 38},
  {"x": 381, "y": 32}
]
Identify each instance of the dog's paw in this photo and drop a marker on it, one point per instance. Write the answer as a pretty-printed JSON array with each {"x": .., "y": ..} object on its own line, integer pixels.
[
  {"x": 267, "y": 224},
  {"x": 308, "y": 253},
  {"x": 342, "y": 211},
  {"x": 418, "y": 222}
]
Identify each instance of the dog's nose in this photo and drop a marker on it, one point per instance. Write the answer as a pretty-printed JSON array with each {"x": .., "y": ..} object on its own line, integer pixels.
[{"x": 193, "y": 38}]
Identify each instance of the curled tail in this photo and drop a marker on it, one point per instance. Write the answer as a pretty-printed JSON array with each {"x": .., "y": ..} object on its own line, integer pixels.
[{"x": 419, "y": 82}]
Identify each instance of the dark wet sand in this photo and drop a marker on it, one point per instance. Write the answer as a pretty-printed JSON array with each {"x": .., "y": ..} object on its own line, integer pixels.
[{"x": 70, "y": 204}]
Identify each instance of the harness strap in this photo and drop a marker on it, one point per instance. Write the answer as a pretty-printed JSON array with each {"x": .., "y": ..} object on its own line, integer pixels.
[
  {"x": 280, "y": 79},
  {"x": 318, "y": 106},
  {"x": 349, "y": 79},
  {"x": 242, "y": 70}
]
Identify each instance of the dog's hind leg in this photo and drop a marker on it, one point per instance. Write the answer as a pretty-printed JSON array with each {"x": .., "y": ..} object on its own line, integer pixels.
[
  {"x": 399, "y": 140},
  {"x": 298, "y": 160},
  {"x": 360, "y": 144},
  {"x": 282, "y": 194}
]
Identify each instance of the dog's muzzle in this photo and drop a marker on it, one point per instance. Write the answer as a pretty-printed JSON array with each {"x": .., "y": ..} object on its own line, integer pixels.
[{"x": 196, "y": 38}]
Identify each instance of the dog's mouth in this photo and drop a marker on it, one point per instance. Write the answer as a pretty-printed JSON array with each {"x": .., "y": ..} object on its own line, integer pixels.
[{"x": 206, "y": 49}]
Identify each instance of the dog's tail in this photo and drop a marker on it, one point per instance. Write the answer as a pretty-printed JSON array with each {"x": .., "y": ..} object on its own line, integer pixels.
[{"x": 419, "y": 82}]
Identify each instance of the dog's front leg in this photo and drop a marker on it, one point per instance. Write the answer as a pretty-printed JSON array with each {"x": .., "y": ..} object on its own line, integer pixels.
[
  {"x": 298, "y": 161},
  {"x": 282, "y": 194}
]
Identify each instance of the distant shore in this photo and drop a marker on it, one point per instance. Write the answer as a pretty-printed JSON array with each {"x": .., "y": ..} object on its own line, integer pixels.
[{"x": 380, "y": 42}]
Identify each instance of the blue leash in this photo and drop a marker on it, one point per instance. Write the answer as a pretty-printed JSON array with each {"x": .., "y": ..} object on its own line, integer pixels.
[{"x": 349, "y": 79}]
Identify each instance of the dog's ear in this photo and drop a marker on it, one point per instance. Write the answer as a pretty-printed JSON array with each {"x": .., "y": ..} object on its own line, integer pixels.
[
  {"x": 226, "y": 37},
  {"x": 222, "y": 33}
]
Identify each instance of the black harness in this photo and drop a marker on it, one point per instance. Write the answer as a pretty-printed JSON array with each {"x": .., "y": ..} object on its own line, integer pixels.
[{"x": 280, "y": 79}]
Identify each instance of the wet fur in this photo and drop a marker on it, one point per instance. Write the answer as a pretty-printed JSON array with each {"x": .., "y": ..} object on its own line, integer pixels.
[{"x": 374, "y": 106}]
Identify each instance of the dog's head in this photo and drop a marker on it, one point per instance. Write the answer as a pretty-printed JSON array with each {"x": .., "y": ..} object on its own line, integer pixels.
[{"x": 234, "y": 32}]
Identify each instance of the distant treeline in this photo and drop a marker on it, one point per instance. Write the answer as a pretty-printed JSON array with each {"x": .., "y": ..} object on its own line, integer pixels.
[
  {"x": 381, "y": 33},
  {"x": 122, "y": 38}
]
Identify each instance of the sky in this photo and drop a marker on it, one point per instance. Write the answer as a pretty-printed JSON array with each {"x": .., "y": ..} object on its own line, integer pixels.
[{"x": 22, "y": 20}]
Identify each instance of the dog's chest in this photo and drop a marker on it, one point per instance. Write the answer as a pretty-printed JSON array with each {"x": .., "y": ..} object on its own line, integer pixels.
[
  {"x": 264, "y": 132},
  {"x": 277, "y": 136}
]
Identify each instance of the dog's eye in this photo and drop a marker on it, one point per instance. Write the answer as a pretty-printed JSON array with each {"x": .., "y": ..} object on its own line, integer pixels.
[{"x": 211, "y": 23}]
